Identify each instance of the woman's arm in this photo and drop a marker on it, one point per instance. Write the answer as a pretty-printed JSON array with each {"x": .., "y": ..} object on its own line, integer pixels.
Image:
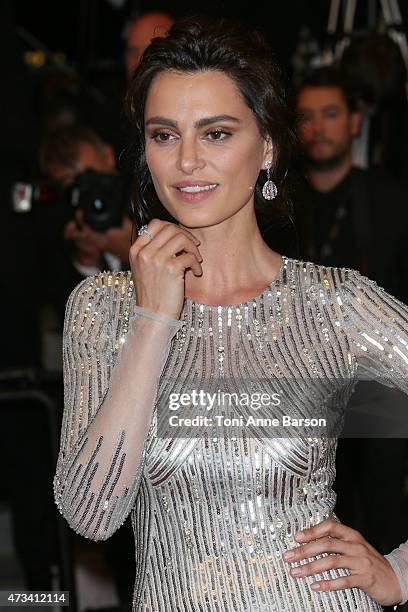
[
  {"x": 376, "y": 324},
  {"x": 378, "y": 327},
  {"x": 114, "y": 353}
]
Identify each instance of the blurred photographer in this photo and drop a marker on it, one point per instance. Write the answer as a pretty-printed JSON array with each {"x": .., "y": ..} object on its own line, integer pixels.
[
  {"x": 107, "y": 118},
  {"x": 75, "y": 157},
  {"x": 139, "y": 32}
]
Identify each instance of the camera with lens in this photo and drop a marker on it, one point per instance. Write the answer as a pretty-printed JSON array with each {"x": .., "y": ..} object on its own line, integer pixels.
[{"x": 102, "y": 198}]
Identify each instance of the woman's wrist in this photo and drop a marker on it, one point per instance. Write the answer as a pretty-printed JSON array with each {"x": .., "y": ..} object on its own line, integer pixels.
[
  {"x": 158, "y": 316},
  {"x": 394, "y": 561}
]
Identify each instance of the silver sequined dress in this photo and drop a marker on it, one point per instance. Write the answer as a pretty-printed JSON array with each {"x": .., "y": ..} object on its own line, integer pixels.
[{"x": 212, "y": 516}]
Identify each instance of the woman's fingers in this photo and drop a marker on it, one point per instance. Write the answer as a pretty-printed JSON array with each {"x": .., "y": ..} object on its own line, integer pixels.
[
  {"x": 373, "y": 575},
  {"x": 337, "y": 584},
  {"x": 324, "y": 564},
  {"x": 178, "y": 243},
  {"x": 330, "y": 528},
  {"x": 188, "y": 260},
  {"x": 161, "y": 231},
  {"x": 169, "y": 240},
  {"x": 157, "y": 255},
  {"x": 323, "y": 545},
  {"x": 340, "y": 547}
]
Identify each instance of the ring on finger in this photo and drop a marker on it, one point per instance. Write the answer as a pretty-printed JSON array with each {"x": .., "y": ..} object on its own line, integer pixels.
[{"x": 144, "y": 230}]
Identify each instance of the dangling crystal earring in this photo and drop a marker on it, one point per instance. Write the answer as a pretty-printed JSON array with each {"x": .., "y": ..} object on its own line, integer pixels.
[{"x": 269, "y": 190}]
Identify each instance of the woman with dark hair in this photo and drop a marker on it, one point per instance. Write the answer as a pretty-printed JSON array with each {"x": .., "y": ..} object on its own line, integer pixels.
[{"x": 208, "y": 306}]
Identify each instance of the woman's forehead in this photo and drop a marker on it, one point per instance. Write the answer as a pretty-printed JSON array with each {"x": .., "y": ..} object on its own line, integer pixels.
[{"x": 198, "y": 94}]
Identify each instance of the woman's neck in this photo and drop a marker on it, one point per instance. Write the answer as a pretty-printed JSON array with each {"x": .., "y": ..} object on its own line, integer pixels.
[{"x": 237, "y": 264}]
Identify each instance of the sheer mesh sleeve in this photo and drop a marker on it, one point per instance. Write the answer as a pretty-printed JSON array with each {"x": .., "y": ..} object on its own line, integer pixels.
[
  {"x": 113, "y": 353},
  {"x": 398, "y": 560},
  {"x": 378, "y": 327}
]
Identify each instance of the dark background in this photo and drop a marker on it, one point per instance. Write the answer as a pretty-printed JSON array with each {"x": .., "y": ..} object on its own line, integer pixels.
[{"x": 89, "y": 31}]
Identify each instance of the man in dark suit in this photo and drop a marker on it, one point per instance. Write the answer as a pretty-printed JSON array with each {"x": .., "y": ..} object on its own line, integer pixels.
[
  {"x": 347, "y": 216},
  {"x": 354, "y": 218}
]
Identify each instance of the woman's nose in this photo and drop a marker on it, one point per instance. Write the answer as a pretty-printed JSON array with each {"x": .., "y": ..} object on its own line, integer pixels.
[{"x": 189, "y": 158}]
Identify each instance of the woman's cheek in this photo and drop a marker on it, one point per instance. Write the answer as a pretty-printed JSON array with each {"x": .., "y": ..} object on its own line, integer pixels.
[{"x": 155, "y": 168}]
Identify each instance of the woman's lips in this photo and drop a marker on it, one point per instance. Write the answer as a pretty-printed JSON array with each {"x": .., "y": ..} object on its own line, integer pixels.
[{"x": 196, "y": 196}]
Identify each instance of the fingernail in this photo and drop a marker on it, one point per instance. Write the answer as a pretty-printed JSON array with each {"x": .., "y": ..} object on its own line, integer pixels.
[
  {"x": 288, "y": 555},
  {"x": 296, "y": 571},
  {"x": 315, "y": 586},
  {"x": 299, "y": 536}
]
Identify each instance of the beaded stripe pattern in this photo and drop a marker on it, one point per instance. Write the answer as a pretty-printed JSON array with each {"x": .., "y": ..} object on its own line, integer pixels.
[{"x": 213, "y": 516}]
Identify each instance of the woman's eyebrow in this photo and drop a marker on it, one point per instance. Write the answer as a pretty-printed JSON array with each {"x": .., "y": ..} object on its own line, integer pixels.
[
  {"x": 215, "y": 119},
  {"x": 198, "y": 124},
  {"x": 160, "y": 121}
]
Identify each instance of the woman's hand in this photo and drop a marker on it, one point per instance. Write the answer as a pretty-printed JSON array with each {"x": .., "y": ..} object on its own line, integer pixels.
[
  {"x": 369, "y": 570},
  {"x": 159, "y": 265}
]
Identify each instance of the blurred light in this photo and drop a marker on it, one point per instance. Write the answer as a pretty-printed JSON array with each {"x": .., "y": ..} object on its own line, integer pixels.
[
  {"x": 38, "y": 58},
  {"x": 35, "y": 58}
]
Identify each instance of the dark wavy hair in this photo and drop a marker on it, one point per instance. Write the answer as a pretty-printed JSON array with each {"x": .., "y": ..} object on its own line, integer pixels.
[
  {"x": 331, "y": 76},
  {"x": 195, "y": 44}
]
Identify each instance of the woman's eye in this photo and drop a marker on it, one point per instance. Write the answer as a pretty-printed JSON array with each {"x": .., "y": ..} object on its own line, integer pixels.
[
  {"x": 162, "y": 136},
  {"x": 218, "y": 134}
]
